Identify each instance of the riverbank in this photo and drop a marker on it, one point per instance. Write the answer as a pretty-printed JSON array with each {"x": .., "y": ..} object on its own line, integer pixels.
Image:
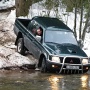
[{"x": 8, "y": 54}]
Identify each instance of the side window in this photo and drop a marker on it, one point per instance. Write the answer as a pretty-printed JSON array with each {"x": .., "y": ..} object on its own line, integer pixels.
[
  {"x": 39, "y": 34},
  {"x": 33, "y": 27},
  {"x": 30, "y": 26}
]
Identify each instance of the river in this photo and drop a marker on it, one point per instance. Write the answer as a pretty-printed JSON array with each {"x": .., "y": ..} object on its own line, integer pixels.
[{"x": 35, "y": 80}]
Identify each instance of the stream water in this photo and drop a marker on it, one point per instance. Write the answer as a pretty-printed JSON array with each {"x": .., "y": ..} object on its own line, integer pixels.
[{"x": 34, "y": 80}]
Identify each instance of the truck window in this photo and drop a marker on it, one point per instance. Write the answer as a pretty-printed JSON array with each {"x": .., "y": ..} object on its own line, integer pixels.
[
  {"x": 32, "y": 27},
  {"x": 60, "y": 37}
]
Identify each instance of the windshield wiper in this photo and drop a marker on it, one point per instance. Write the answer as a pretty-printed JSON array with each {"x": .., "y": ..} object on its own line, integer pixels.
[
  {"x": 68, "y": 44},
  {"x": 53, "y": 43}
]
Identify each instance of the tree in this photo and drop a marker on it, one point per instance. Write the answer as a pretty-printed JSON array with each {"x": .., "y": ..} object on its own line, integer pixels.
[
  {"x": 48, "y": 5},
  {"x": 79, "y": 6},
  {"x": 81, "y": 18},
  {"x": 70, "y": 6},
  {"x": 87, "y": 6},
  {"x": 22, "y": 6}
]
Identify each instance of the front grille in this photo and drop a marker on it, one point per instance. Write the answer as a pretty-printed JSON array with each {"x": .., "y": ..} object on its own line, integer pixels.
[
  {"x": 71, "y": 71},
  {"x": 71, "y": 60}
]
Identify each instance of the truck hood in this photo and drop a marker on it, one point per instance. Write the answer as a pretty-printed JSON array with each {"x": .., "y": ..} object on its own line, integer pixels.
[{"x": 65, "y": 49}]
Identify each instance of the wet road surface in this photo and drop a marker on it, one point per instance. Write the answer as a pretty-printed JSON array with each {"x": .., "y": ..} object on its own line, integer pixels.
[{"x": 35, "y": 80}]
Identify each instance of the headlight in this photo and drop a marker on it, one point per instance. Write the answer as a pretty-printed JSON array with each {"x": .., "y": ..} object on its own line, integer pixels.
[
  {"x": 55, "y": 59},
  {"x": 85, "y": 61}
]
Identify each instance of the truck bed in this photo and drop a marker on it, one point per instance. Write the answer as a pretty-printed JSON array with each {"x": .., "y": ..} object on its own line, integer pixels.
[
  {"x": 25, "y": 22},
  {"x": 21, "y": 25}
]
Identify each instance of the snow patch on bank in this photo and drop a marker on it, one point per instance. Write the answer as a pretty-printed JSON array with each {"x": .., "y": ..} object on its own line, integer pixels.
[
  {"x": 9, "y": 22},
  {"x": 8, "y": 54},
  {"x": 5, "y": 4},
  {"x": 10, "y": 58}
]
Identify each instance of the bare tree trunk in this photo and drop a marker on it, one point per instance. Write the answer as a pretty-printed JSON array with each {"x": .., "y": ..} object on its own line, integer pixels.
[
  {"x": 85, "y": 27},
  {"x": 80, "y": 28},
  {"x": 17, "y": 4},
  {"x": 75, "y": 22},
  {"x": 86, "y": 23},
  {"x": 48, "y": 13},
  {"x": 22, "y": 7}
]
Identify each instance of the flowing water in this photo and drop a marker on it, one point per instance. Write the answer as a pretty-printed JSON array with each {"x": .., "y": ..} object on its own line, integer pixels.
[{"x": 34, "y": 80}]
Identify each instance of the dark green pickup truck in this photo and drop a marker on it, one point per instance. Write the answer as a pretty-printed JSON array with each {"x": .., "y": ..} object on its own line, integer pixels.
[{"x": 57, "y": 48}]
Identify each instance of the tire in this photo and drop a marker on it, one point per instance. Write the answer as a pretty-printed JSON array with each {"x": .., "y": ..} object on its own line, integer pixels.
[
  {"x": 43, "y": 66},
  {"x": 20, "y": 46},
  {"x": 85, "y": 71}
]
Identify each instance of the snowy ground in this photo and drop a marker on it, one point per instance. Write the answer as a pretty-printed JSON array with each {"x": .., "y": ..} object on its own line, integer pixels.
[
  {"x": 8, "y": 55},
  {"x": 5, "y": 4}
]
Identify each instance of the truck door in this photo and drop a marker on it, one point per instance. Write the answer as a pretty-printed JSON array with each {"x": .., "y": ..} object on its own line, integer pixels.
[
  {"x": 29, "y": 37},
  {"x": 32, "y": 43}
]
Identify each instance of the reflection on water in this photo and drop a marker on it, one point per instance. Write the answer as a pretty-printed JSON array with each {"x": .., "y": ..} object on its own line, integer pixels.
[
  {"x": 54, "y": 82},
  {"x": 34, "y": 80},
  {"x": 84, "y": 80},
  {"x": 69, "y": 82}
]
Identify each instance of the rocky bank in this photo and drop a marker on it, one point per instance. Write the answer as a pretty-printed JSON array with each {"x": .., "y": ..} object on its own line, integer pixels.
[{"x": 9, "y": 57}]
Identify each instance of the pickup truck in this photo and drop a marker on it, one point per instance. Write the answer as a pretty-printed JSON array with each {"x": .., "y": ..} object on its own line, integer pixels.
[{"x": 56, "y": 50}]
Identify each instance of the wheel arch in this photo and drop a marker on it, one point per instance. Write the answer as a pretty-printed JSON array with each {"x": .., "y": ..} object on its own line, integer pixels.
[{"x": 40, "y": 60}]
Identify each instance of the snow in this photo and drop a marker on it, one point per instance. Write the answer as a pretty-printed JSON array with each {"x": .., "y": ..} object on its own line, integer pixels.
[
  {"x": 9, "y": 57},
  {"x": 6, "y": 4},
  {"x": 86, "y": 47},
  {"x": 10, "y": 21}
]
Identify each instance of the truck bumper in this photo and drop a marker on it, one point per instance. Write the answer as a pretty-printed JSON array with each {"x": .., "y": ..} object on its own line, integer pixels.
[{"x": 67, "y": 68}]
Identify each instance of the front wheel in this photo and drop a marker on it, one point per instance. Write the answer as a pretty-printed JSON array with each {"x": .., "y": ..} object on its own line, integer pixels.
[
  {"x": 44, "y": 66},
  {"x": 85, "y": 71},
  {"x": 20, "y": 46}
]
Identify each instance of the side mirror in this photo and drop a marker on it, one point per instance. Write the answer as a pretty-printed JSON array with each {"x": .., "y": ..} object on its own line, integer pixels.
[{"x": 38, "y": 38}]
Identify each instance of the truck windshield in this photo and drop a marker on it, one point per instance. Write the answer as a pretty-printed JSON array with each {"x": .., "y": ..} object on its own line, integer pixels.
[{"x": 60, "y": 37}]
